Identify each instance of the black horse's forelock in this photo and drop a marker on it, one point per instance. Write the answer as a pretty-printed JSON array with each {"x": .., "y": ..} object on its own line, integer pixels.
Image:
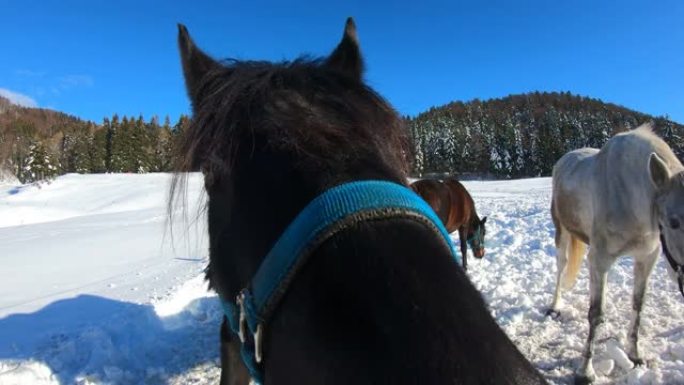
[{"x": 301, "y": 106}]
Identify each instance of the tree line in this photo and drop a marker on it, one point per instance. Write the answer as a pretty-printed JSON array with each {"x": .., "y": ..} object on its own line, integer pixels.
[
  {"x": 520, "y": 135},
  {"x": 512, "y": 137},
  {"x": 119, "y": 144}
]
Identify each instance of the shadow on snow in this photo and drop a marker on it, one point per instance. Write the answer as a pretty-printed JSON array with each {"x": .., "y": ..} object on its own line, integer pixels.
[{"x": 113, "y": 341}]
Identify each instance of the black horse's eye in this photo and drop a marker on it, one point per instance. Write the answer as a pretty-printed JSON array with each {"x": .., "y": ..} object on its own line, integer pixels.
[{"x": 674, "y": 223}]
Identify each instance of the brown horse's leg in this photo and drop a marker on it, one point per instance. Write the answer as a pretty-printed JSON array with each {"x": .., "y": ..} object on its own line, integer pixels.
[
  {"x": 462, "y": 236},
  {"x": 233, "y": 371}
]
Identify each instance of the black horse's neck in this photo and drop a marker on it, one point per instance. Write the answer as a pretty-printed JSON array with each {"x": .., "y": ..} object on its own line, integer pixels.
[{"x": 368, "y": 301}]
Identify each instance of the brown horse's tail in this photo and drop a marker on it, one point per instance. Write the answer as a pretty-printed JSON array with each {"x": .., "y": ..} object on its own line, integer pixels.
[{"x": 576, "y": 250}]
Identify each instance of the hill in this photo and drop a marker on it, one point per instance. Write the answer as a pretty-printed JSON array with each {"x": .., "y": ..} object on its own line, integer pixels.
[
  {"x": 25, "y": 129},
  {"x": 512, "y": 137},
  {"x": 37, "y": 143},
  {"x": 521, "y": 135},
  {"x": 17, "y": 122},
  {"x": 43, "y": 121}
]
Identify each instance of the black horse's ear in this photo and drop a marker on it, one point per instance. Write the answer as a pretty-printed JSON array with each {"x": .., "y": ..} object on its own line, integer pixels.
[
  {"x": 484, "y": 219},
  {"x": 195, "y": 63},
  {"x": 347, "y": 56}
]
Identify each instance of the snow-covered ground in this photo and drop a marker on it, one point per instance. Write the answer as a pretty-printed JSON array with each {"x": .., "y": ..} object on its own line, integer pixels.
[{"x": 94, "y": 289}]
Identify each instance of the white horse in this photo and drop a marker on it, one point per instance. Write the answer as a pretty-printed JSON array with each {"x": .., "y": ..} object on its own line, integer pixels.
[{"x": 619, "y": 200}]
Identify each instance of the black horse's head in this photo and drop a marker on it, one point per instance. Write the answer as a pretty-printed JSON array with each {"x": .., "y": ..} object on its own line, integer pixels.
[
  {"x": 476, "y": 236},
  {"x": 271, "y": 136}
]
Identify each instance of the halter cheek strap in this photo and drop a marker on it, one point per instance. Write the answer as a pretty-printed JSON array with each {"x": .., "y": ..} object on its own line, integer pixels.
[
  {"x": 474, "y": 237},
  {"x": 678, "y": 268},
  {"x": 328, "y": 214}
]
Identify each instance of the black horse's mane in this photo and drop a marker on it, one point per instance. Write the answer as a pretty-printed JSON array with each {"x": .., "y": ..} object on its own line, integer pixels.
[{"x": 319, "y": 113}]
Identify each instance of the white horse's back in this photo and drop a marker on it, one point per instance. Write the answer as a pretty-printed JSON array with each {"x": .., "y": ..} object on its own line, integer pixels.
[
  {"x": 626, "y": 155},
  {"x": 573, "y": 186}
]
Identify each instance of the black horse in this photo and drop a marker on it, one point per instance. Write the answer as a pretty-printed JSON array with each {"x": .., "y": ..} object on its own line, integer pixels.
[{"x": 381, "y": 302}]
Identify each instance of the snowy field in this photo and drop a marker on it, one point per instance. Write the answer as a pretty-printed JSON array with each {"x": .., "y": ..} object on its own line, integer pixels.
[{"x": 94, "y": 289}]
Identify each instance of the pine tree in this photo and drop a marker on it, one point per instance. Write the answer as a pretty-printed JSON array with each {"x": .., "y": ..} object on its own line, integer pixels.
[
  {"x": 38, "y": 165},
  {"x": 121, "y": 145}
]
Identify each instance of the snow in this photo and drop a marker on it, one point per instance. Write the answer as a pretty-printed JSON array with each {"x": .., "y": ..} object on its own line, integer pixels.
[
  {"x": 7, "y": 178},
  {"x": 94, "y": 289}
]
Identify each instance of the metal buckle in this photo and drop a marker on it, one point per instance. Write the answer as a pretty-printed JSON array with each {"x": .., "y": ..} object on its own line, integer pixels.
[
  {"x": 258, "y": 337},
  {"x": 243, "y": 327},
  {"x": 242, "y": 321}
]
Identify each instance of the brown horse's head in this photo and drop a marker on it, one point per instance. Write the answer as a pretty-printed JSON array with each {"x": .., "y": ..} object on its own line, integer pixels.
[{"x": 476, "y": 236}]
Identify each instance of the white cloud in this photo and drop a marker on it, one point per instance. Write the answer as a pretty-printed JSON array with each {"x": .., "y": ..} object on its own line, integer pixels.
[
  {"x": 70, "y": 81},
  {"x": 17, "y": 98},
  {"x": 30, "y": 73}
]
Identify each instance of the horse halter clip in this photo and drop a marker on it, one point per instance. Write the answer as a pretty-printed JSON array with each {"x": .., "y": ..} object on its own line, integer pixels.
[
  {"x": 678, "y": 269},
  {"x": 331, "y": 212}
]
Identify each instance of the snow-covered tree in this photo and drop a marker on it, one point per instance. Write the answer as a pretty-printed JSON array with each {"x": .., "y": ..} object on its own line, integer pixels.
[{"x": 39, "y": 165}]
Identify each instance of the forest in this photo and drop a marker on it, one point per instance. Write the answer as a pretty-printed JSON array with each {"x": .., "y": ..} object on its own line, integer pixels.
[
  {"x": 520, "y": 135},
  {"x": 512, "y": 137}
]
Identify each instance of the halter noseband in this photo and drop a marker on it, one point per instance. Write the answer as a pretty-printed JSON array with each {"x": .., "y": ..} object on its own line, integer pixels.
[
  {"x": 331, "y": 212},
  {"x": 678, "y": 268},
  {"x": 475, "y": 237}
]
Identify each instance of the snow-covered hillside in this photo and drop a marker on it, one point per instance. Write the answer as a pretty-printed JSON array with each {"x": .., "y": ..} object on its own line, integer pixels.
[{"x": 94, "y": 289}]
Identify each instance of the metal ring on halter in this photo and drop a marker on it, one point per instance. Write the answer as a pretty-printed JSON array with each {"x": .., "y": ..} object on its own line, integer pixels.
[
  {"x": 258, "y": 338},
  {"x": 242, "y": 332},
  {"x": 242, "y": 323}
]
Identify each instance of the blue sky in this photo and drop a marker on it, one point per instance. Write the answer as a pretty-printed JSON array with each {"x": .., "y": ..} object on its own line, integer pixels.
[{"x": 95, "y": 58}]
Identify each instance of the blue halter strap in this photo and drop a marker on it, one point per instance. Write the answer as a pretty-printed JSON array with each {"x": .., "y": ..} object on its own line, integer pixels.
[
  {"x": 329, "y": 213},
  {"x": 475, "y": 237}
]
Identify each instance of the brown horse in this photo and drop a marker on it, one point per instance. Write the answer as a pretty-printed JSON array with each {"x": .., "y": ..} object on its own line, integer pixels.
[{"x": 455, "y": 207}]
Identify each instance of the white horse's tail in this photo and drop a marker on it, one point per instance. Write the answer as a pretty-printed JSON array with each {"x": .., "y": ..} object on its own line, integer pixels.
[{"x": 575, "y": 255}]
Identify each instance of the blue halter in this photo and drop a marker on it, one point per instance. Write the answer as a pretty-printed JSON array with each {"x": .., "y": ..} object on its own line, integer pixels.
[
  {"x": 475, "y": 237},
  {"x": 329, "y": 213}
]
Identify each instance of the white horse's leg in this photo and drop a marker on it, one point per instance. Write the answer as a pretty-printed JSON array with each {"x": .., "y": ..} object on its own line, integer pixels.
[
  {"x": 599, "y": 263},
  {"x": 643, "y": 266},
  {"x": 562, "y": 243}
]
